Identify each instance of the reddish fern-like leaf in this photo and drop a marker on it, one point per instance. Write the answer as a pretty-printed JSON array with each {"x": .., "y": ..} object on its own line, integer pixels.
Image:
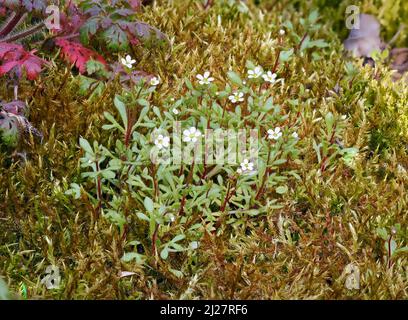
[
  {"x": 15, "y": 59},
  {"x": 76, "y": 54}
]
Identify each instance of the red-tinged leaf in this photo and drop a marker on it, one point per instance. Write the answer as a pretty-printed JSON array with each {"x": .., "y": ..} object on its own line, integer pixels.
[
  {"x": 71, "y": 20},
  {"x": 75, "y": 53},
  {"x": 32, "y": 65},
  {"x": 15, "y": 58},
  {"x": 3, "y": 12},
  {"x": 9, "y": 48},
  {"x": 29, "y": 5},
  {"x": 6, "y": 67}
]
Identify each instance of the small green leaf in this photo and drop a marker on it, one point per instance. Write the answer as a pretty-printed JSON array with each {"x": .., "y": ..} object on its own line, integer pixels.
[
  {"x": 149, "y": 205},
  {"x": 142, "y": 216},
  {"x": 234, "y": 77},
  {"x": 282, "y": 189},
  {"x": 178, "y": 238},
  {"x": 285, "y": 55},
  {"x": 143, "y": 102},
  {"x": 85, "y": 145},
  {"x": 382, "y": 233},
  {"x": 401, "y": 250},
  {"x": 164, "y": 253},
  {"x": 129, "y": 256},
  {"x": 122, "y": 110}
]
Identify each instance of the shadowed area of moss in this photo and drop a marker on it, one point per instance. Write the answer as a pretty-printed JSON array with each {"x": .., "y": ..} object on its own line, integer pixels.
[{"x": 330, "y": 215}]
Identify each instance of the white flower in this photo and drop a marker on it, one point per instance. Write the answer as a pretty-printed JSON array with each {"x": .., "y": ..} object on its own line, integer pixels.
[
  {"x": 175, "y": 111},
  {"x": 295, "y": 135},
  {"x": 191, "y": 135},
  {"x": 269, "y": 77},
  {"x": 194, "y": 245},
  {"x": 162, "y": 142},
  {"x": 205, "y": 78},
  {"x": 256, "y": 73},
  {"x": 154, "y": 81},
  {"x": 128, "y": 61},
  {"x": 282, "y": 32},
  {"x": 274, "y": 134},
  {"x": 239, "y": 170},
  {"x": 246, "y": 166},
  {"x": 236, "y": 97},
  {"x": 401, "y": 169}
]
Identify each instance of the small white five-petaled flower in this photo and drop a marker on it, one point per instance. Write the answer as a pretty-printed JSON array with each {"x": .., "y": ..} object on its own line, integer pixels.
[
  {"x": 154, "y": 81},
  {"x": 205, "y": 78},
  {"x": 194, "y": 245},
  {"x": 128, "y": 61},
  {"x": 295, "y": 135},
  {"x": 162, "y": 142},
  {"x": 175, "y": 111},
  {"x": 246, "y": 166},
  {"x": 274, "y": 134},
  {"x": 282, "y": 32},
  {"x": 236, "y": 97},
  {"x": 191, "y": 135},
  {"x": 256, "y": 73},
  {"x": 269, "y": 77}
]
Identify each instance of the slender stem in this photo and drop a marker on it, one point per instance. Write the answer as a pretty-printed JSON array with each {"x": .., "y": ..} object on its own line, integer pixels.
[
  {"x": 326, "y": 157},
  {"x": 301, "y": 42},
  {"x": 25, "y": 33},
  {"x": 154, "y": 239},
  {"x": 206, "y": 150},
  {"x": 183, "y": 200},
  {"x": 224, "y": 204},
  {"x": 11, "y": 24},
  {"x": 389, "y": 252},
  {"x": 275, "y": 66},
  {"x": 261, "y": 187},
  {"x": 16, "y": 92},
  {"x": 99, "y": 190},
  {"x": 208, "y": 4}
]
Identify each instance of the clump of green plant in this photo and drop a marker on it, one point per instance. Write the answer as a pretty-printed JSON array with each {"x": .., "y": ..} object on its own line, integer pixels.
[{"x": 179, "y": 202}]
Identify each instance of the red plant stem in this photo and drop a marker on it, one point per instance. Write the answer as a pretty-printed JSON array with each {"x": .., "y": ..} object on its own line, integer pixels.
[
  {"x": 326, "y": 157},
  {"x": 389, "y": 252},
  {"x": 25, "y": 33},
  {"x": 183, "y": 200},
  {"x": 205, "y": 152},
  {"x": 154, "y": 239},
  {"x": 261, "y": 187},
  {"x": 11, "y": 24},
  {"x": 224, "y": 204},
  {"x": 208, "y": 4},
  {"x": 301, "y": 42},
  {"x": 155, "y": 184},
  {"x": 99, "y": 191},
  {"x": 275, "y": 66},
  {"x": 228, "y": 196}
]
